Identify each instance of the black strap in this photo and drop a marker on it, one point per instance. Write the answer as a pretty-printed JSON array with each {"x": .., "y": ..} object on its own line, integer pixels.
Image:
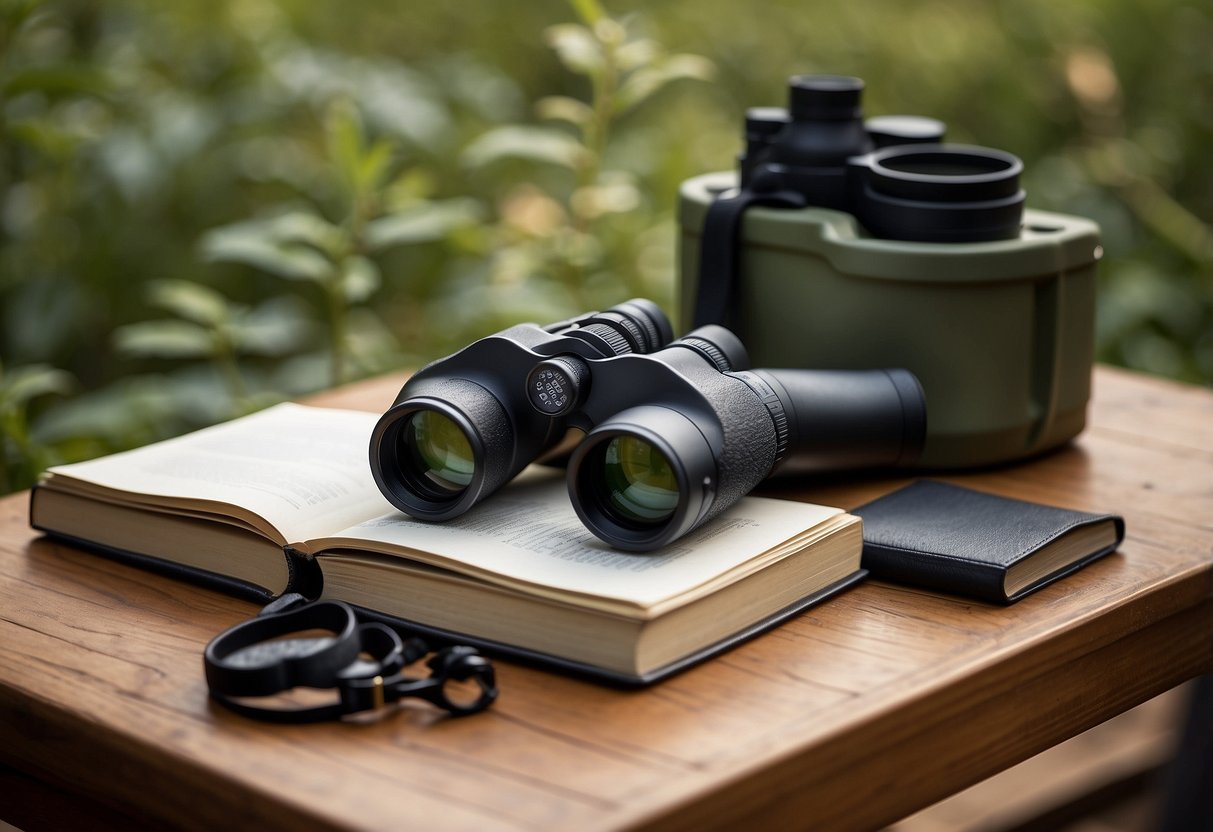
[
  {"x": 719, "y": 248},
  {"x": 278, "y": 651}
]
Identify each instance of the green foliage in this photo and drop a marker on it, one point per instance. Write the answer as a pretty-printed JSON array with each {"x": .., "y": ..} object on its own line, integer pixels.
[
  {"x": 207, "y": 207},
  {"x": 23, "y": 456}
]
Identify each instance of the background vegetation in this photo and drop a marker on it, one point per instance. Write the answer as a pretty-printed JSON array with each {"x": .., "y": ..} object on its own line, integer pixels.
[{"x": 209, "y": 206}]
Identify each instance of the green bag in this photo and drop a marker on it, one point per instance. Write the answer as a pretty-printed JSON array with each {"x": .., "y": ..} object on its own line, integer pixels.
[{"x": 1000, "y": 333}]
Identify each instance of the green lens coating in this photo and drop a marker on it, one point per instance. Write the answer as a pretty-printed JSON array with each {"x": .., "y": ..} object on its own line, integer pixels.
[
  {"x": 439, "y": 451},
  {"x": 640, "y": 484}
]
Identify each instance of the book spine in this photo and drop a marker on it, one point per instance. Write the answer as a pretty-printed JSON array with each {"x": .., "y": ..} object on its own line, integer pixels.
[{"x": 935, "y": 572}]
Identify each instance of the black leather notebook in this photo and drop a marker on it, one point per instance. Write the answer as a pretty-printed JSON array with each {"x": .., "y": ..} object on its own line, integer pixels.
[{"x": 954, "y": 539}]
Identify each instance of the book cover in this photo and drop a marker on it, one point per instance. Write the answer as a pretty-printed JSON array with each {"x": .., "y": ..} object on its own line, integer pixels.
[{"x": 958, "y": 540}]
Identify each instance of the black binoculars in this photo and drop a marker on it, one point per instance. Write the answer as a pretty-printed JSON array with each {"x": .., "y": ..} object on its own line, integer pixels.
[
  {"x": 676, "y": 431},
  {"x": 892, "y": 173}
]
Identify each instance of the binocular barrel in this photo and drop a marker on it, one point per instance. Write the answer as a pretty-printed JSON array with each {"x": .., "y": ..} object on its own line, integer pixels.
[
  {"x": 464, "y": 425},
  {"x": 842, "y": 419},
  {"x": 674, "y": 435},
  {"x": 651, "y": 473},
  {"x": 892, "y": 172}
]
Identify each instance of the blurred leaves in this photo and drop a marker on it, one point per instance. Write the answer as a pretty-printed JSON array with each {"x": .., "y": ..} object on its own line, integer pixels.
[
  {"x": 292, "y": 246},
  {"x": 579, "y": 50},
  {"x": 656, "y": 72},
  {"x": 165, "y": 339},
  {"x": 23, "y": 456},
  {"x": 568, "y": 235},
  {"x": 56, "y": 80},
  {"x": 20, "y": 385},
  {"x": 537, "y": 144},
  {"x": 191, "y": 301},
  {"x": 205, "y": 208},
  {"x": 421, "y": 223}
]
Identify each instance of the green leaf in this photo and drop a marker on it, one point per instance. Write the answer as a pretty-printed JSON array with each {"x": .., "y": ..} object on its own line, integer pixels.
[
  {"x": 588, "y": 10},
  {"x": 303, "y": 227},
  {"x": 373, "y": 166},
  {"x": 644, "y": 82},
  {"x": 576, "y": 47},
  {"x": 637, "y": 53},
  {"x": 165, "y": 339},
  {"x": 280, "y": 326},
  {"x": 538, "y": 144},
  {"x": 359, "y": 279},
  {"x": 344, "y": 139},
  {"x": 592, "y": 201},
  {"x": 56, "y": 80},
  {"x": 563, "y": 108},
  {"x": 409, "y": 187},
  {"x": 22, "y": 384},
  {"x": 192, "y": 301},
  {"x": 44, "y": 136},
  {"x": 254, "y": 245},
  {"x": 420, "y": 223}
]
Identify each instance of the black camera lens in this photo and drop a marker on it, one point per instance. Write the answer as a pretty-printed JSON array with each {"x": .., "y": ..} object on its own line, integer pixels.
[
  {"x": 638, "y": 482},
  {"x": 436, "y": 453}
]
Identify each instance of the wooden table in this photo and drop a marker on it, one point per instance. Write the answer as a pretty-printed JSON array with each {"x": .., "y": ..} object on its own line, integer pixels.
[{"x": 857, "y": 713}]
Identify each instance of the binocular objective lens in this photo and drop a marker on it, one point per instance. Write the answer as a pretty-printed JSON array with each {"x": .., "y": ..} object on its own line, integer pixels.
[
  {"x": 641, "y": 488},
  {"x": 438, "y": 451}
]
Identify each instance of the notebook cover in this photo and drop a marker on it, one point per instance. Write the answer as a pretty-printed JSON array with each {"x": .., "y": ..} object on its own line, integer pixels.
[
  {"x": 438, "y": 636},
  {"x": 954, "y": 539}
]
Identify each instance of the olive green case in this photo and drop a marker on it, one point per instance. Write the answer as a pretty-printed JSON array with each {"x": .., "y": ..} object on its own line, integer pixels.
[{"x": 1001, "y": 334}]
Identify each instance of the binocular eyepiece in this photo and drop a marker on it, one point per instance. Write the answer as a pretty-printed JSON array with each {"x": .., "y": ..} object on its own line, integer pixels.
[
  {"x": 892, "y": 173},
  {"x": 676, "y": 432}
]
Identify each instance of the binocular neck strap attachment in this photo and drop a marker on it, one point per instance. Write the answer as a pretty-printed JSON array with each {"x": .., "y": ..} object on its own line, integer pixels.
[
  {"x": 363, "y": 662},
  {"x": 719, "y": 249}
]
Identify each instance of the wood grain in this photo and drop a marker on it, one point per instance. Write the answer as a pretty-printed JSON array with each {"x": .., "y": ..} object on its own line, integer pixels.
[
  {"x": 1095, "y": 772},
  {"x": 855, "y": 714}
]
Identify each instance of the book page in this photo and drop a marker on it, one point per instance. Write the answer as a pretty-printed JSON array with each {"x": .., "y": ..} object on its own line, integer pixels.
[
  {"x": 305, "y": 470},
  {"x": 528, "y": 533}
]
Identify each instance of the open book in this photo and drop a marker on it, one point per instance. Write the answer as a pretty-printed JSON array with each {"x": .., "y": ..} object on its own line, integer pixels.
[{"x": 284, "y": 500}]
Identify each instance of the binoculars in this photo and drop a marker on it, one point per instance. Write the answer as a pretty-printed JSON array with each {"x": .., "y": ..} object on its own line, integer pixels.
[
  {"x": 891, "y": 173},
  {"x": 852, "y": 244},
  {"x": 676, "y": 431}
]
